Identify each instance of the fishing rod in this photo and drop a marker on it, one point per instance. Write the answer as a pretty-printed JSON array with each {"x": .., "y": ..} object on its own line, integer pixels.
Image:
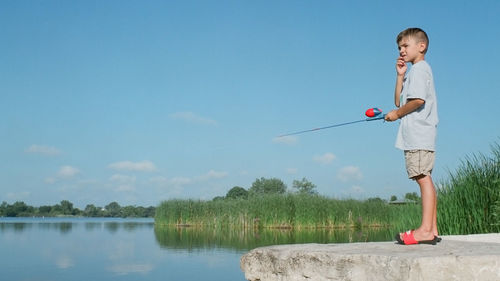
[{"x": 372, "y": 114}]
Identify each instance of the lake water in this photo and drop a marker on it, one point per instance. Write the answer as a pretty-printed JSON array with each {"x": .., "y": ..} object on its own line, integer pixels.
[{"x": 134, "y": 249}]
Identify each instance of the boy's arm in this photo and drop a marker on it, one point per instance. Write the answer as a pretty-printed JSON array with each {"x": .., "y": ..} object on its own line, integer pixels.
[
  {"x": 409, "y": 107},
  {"x": 401, "y": 68},
  {"x": 398, "y": 89}
]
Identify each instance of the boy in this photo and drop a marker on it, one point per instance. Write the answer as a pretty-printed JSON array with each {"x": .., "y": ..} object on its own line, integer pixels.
[{"x": 415, "y": 98}]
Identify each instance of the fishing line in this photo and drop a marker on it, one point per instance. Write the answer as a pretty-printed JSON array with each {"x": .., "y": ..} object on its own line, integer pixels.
[{"x": 372, "y": 114}]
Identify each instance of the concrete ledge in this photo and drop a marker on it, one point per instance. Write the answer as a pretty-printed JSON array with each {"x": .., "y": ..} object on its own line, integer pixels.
[{"x": 472, "y": 257}]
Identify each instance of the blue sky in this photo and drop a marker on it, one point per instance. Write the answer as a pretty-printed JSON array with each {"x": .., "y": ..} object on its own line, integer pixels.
[{"x": 142, "y": 101}]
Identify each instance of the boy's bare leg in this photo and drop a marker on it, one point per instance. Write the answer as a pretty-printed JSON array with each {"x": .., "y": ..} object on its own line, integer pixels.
[
  {"x": 428, "y": 228},
  {"x": 434, "y": 219}
]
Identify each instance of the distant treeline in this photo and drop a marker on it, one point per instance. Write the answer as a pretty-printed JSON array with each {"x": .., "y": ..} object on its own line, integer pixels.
[{"x": 65, "y": 208}]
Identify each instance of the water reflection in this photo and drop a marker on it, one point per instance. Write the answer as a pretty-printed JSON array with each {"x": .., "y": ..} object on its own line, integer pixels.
[
  {"x": 91, "y": 226},
  {"x": 102, "y": 250},
  {"x": 16, "y": 227},
  {"x": 65, "y": 226},
  {"x": 195, "y": 238},
  {"x": 112, "y": 227}
]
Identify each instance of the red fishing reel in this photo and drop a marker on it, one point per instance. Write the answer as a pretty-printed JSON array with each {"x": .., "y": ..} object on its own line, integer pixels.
[{"x": 373, "y": 112}]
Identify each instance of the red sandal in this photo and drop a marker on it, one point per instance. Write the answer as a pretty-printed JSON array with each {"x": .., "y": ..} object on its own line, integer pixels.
[{"x": 409, "y": 239}]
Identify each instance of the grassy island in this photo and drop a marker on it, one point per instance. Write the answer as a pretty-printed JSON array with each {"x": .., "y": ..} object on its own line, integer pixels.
[{"x": 468, "y": 202}]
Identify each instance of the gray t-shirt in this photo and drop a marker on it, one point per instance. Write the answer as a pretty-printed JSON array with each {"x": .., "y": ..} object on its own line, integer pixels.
[{"x": 417, "y": 130}]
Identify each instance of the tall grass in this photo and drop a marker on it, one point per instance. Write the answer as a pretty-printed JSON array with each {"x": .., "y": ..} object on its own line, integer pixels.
[
  {"x": 469, "y": 201},
  {"x": 276, "y": 211}
]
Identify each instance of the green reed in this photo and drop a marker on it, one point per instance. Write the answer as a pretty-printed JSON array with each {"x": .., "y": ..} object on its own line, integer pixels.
[
  {"x": 276, "y": 211},
  {"x": 469, "y": 201}
]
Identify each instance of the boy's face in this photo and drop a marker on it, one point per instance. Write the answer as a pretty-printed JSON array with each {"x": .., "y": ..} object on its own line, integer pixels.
[{"x": 411, "y": 50}]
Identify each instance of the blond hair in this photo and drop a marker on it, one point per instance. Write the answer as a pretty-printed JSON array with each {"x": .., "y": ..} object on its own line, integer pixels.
[{"x": 414, "y": 32}]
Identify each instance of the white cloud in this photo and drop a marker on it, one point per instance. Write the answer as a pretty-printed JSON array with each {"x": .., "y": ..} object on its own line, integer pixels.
[
  {"x": 64, "y": 173},
  {"x": 43, "y": 149},
  {"x": 159, "y": 180},
  {"x": 213, "y": 175},
  {"x": 290, "y": 140},
  {"x": 67, "y": 172},
  {"x": 50, "y": 180},
  {"x": 143, "y": 166},
  {"x": 192, "y": 118},
  {"x": 124, "y": 188},
  {"x": 349, "y": 173},
  {"x": 180, "y": 181},
  {"x": 64, "y": 262},
  {"x": 292, "y": 171},
  {"x": 175, "y": 186},
  {"x": 122, "y": 178},
  {"x": 355, "y": 191},
  {"x": 171, "y": 187},
  {"x": 324, "y": 159},
  {"x": 175, "y": 182},
  {"x": 123, "y": 182},
  {"x": 125, "y": 269}
]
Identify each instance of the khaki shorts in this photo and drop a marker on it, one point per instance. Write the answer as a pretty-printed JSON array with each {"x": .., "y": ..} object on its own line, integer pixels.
[{"x": 419, "y": 162}]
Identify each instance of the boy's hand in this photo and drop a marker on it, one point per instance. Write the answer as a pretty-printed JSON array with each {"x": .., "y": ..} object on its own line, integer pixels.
[
  {"x": 391, "y": 116},
  {"x": 401, "y": 66},
  {"x": 410, "y": 106}
]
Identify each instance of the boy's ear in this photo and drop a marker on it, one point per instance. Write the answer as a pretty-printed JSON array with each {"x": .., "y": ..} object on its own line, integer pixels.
[{"x": 422, "y": 46}]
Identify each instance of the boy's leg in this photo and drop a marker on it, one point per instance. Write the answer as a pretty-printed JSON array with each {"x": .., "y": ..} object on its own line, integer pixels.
[
  {"x": 428, "y": 228},
  {"x": 419, "y": 164},
  {"x": 434, "y": 219}
]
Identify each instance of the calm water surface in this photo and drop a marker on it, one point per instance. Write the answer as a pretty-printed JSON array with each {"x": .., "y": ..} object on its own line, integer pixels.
[
  {"x": 104, "y": 249},
  {"x": 134, "y": 249}
]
